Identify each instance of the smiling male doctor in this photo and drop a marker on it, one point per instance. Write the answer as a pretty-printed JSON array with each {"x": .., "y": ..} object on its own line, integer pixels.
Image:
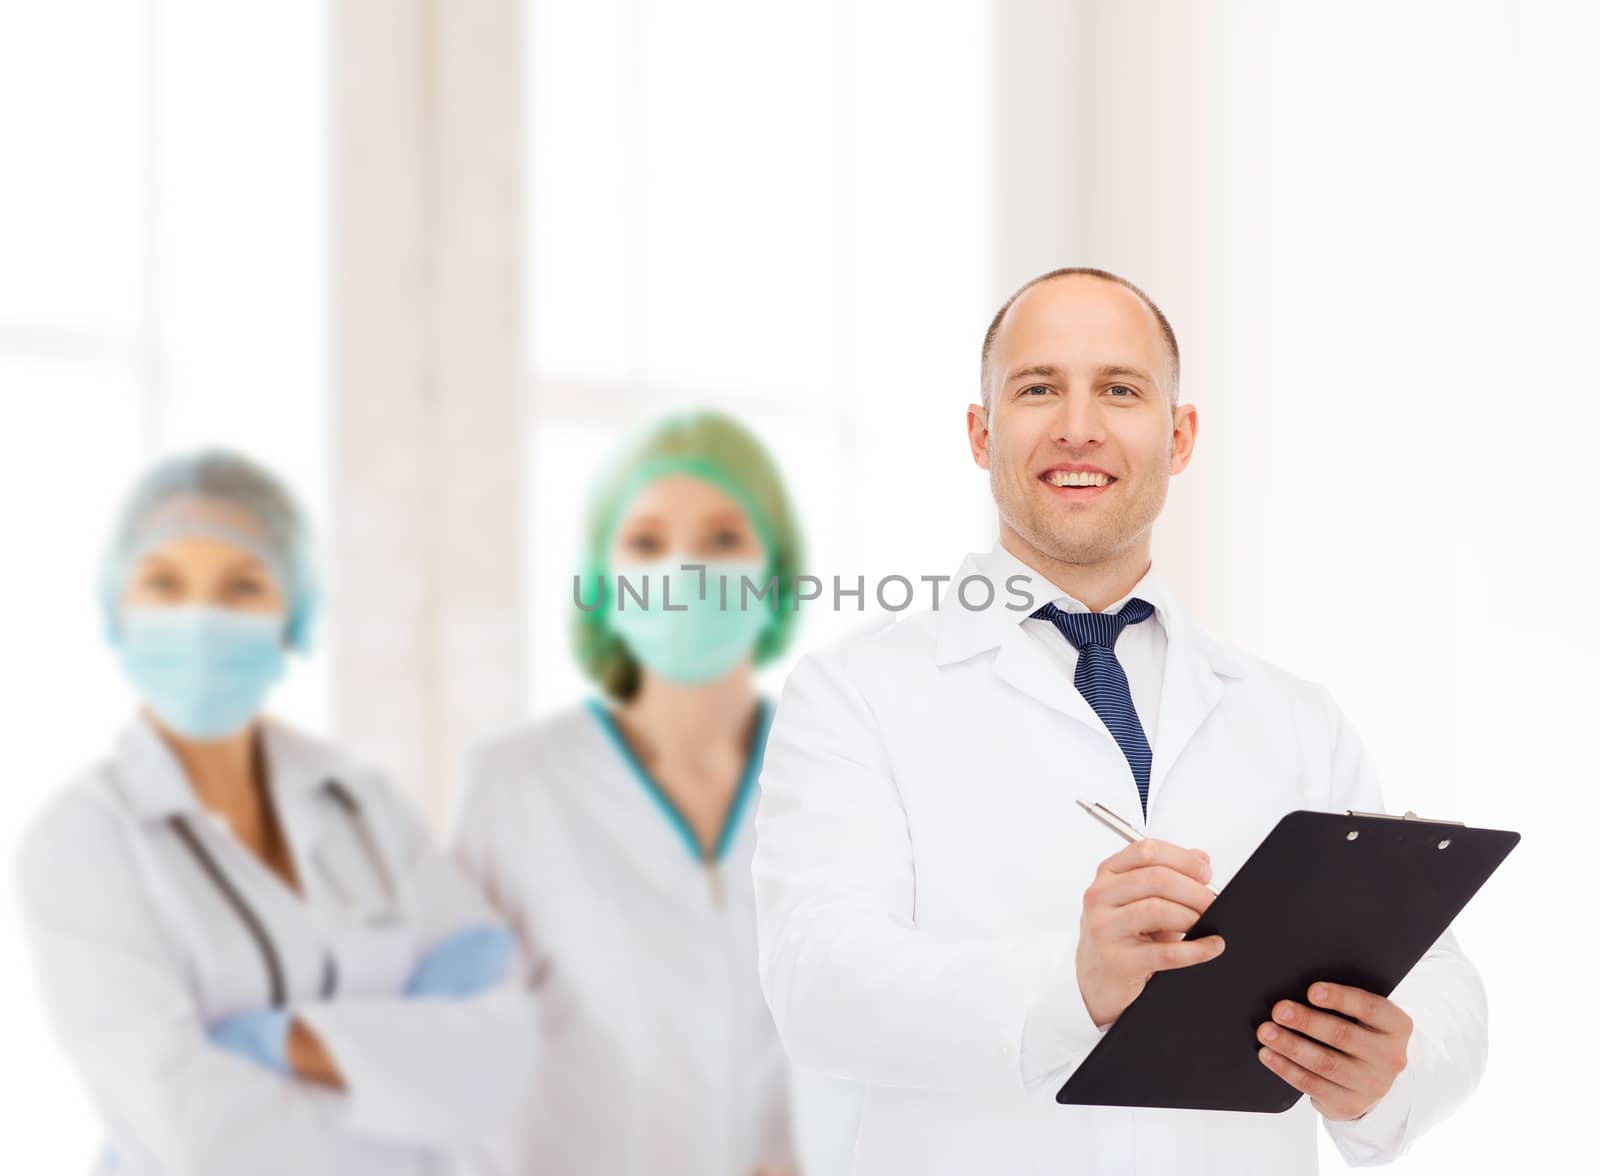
[{"x": 941, "y": 924}]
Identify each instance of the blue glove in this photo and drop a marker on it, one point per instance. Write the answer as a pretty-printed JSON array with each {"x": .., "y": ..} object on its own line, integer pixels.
[
  {"x": 464, "y": 963},
  {"x": 261, "y": 1035}
]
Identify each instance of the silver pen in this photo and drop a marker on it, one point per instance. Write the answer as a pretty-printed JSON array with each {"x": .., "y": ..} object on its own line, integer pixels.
[{"x": 1118, "y": 826}]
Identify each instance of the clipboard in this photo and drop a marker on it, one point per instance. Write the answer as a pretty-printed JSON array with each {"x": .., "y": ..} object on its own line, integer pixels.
[{"x": 1353, "y": 898}]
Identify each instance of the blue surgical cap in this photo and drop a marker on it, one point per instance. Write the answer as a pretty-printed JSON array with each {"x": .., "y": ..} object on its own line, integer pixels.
[{"x": 215, "y": 494}]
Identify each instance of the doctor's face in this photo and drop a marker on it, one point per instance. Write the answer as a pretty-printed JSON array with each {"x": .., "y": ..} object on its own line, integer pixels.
[
  {"x": 1080, "y": 435},
  {"x": 201, "y": 571},
  {"x": 681, "y": 515}
]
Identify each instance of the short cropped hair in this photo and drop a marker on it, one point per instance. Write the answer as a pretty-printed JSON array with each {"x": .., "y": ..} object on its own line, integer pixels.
[{"x": 1067, "y": 272}]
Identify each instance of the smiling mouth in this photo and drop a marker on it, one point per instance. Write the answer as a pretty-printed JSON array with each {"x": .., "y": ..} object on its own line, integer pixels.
[{"x": 1075, "y": 479}]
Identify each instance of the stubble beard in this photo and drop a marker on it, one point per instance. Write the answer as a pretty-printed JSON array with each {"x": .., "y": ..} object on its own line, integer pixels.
[{"x": 1070, "y": 536}]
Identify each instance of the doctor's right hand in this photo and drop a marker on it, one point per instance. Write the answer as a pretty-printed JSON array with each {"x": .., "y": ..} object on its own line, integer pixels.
[{"x": 1135, "y": 913}]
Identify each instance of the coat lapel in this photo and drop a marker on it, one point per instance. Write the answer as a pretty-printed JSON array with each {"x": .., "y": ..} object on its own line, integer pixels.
[
  {"x": 301, "y": 771},
  {"x": 1193, "y": 681},
  {"x": 1019, "y": 660},
  {"x": 149, "y": 777},
  {"x": 1192, "y": 687},
  {"x": 1022, "y": 663}
]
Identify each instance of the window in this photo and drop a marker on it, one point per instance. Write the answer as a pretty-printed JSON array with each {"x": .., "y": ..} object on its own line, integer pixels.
[
  {"x": 777, "y": 212},
  {"x": 160, "y": 287}
]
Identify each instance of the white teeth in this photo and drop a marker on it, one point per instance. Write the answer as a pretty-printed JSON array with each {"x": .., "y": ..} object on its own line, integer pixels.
[{"x": 1076, "y": 478}]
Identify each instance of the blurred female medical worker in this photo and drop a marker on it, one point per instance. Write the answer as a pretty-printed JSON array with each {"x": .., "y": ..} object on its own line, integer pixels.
[
  {"x": 616, "y": 835},
  {"x": 245, "y": 941}
]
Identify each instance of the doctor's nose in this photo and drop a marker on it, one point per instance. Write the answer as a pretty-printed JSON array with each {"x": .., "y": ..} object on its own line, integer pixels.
[{"x": 1079, "y": 421}]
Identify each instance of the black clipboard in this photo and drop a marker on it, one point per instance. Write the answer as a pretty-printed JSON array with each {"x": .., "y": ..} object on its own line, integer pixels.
[{"x": 1355, "y": 899}]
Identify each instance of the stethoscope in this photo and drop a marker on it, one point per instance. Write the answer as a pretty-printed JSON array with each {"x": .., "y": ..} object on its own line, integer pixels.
[
  {"x": 389, "y": 912},
  {"x": 347, "y": 803}
]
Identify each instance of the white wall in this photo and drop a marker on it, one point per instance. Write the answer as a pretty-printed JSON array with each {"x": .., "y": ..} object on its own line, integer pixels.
[
  {"x": 1371, "y": 225},
  {"x": 161, "y": 286},
  {"x": 776, "y": 211}
]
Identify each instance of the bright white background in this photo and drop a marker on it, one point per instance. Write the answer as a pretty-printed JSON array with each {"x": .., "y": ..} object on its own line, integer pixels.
[
  {"x": 779, "y": 211},
  {"x": 1372, "y": 225},
  {"x": 161, "y": 285}
]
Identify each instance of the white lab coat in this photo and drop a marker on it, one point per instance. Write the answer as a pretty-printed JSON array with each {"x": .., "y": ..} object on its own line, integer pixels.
[
  {"x": 920, "y": 870},
  {"x": 139, "y": 951},
  {"x": 658, "y": 1055}
]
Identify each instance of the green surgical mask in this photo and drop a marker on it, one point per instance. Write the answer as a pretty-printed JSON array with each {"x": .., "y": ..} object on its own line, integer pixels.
[{"x": 680, "y": 636}]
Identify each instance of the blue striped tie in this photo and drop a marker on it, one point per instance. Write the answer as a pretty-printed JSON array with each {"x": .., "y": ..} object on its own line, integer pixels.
[{"x": 1100, "y": 679}]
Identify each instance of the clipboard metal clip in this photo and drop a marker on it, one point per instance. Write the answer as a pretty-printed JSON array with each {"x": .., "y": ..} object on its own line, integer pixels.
[{"x": 1409, "y": 816}]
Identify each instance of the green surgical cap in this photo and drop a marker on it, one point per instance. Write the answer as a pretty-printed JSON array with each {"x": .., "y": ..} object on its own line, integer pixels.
[{"x": 720, "y": 451}]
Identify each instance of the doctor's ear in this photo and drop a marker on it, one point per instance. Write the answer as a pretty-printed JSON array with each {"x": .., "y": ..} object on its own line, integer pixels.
[
  {"x": 1185, "y": 424},
  {"x": 978, "y": 434}
]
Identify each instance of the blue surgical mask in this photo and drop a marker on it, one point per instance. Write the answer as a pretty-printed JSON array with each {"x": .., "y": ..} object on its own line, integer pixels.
[
  {"x": 204, "y": 671},
  {"x": 676, "y": 634}
]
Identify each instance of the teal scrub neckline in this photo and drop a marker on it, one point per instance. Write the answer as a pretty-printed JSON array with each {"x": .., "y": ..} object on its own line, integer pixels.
[{"x": 741, "y": 798}]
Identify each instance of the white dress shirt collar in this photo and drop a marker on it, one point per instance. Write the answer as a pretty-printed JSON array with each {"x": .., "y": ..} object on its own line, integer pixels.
[{"x": 1000, "y": 565}]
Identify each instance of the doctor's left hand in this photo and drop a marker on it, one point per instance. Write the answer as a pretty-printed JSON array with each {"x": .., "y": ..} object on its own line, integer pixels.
[
  {"x": 1344, "y": 1063},
  {"x": 260, "y": 1036},
  {"x": 465, "y": 963},
  {"x": 275, "y": 1039}
]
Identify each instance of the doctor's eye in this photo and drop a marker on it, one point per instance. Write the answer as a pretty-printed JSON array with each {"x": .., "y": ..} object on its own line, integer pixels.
[
  {"x": 726, "y": 539},
  {"x": 724, "y": 532},
  {"x": 642, "y": 543},
  {"x": 159, "y": 582},
  {"x": 244, "y": 588},
  {"x": 1042, "y": 389},
  {"x": 1127, "y": 392}
]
